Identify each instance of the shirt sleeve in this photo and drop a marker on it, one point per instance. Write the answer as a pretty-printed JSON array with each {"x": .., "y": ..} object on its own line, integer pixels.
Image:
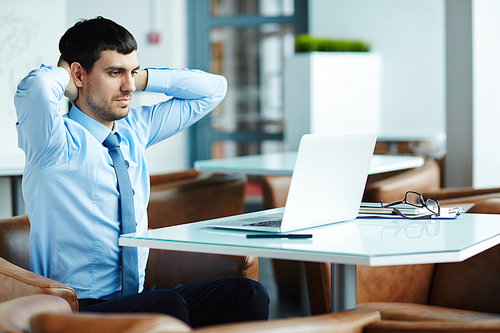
[
  {"x": 194, "y": 94},
  {"x": 38, "y": 112}
]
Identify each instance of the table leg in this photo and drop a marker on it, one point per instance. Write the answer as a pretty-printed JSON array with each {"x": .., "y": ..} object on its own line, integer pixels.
[
  {"x": 18, "y": 207},
  {"x": 343, "y": 287}
]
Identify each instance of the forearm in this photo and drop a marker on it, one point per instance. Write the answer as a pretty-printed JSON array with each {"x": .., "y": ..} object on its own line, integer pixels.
[
  {"x": 141, "y": 79},
  {"x": 187, "y": 84},
  {"x": 195, "y": 94}
]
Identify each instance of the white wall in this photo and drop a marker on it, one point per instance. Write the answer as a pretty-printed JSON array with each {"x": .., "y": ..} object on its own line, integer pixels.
[
  {"x": 27, "y": 39},
  {"x": 486, "y": 92},
  {"x": 410, "y": 36},
  {"x": 140, "y": 17}
]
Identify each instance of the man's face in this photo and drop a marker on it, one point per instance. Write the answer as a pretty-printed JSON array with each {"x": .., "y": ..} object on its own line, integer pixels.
[{"x": 107, "y": 89}]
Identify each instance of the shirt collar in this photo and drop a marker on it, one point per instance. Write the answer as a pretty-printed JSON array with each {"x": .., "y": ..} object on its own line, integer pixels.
[{"x": 98, "y": 130}]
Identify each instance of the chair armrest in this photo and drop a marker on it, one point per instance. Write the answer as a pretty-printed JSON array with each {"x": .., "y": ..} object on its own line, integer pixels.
[
  {"x": 489, "y": 206},
  {"x": 17, "y": 282},
  {"x": 457, "y": 192},
  {"x": 105, "y": 323},
  {"x": 342, "y": 322},
  {"x": 386, "y": 326},
  {"x": 166, "y": 268},
  {"x": 339, "y": 322},
  {"x": 397, "y": 311},
  {"x": 15, "y": 314}
]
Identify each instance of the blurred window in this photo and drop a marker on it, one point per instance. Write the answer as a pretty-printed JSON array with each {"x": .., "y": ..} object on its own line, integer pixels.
[{"x": 247, "y": 42}]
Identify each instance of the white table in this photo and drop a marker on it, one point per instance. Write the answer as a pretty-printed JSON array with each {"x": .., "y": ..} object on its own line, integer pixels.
[
  {"x": 283, "y": 164},
  {"x": 13, "y": 167},
  {"x": 372, "y": 242}
]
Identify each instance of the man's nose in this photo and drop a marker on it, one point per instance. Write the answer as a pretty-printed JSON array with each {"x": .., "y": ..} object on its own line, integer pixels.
[{"x": 128, "y": 84}]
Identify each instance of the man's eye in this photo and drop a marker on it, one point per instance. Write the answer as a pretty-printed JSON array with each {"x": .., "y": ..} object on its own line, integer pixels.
[
  {"x": 114, "y": 73},
  {"x": 134, "y": 73}
]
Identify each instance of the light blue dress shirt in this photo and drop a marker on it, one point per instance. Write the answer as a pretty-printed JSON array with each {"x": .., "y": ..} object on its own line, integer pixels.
[{"x": 69, "y": 183}]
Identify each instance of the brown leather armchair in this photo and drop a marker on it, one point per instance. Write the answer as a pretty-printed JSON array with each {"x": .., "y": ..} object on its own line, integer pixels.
[
  {"x": 389, "y": 186},
  {"x": 392, "y": 282},
  {"x": 466, "y": 196},
  {"x": 50, "y": 314},
  {"x": 164, "y": 268},
  {"x": 15, "y": 278},
  {"x": 470, "y": 285},
  {"x": 287, "y": 273},
  {"x": 392, "y": 186},
  {"x": 426, "y": 180},
  {"x": 190, "y": 196},
  {"x": 398, "y": 290},
  {"x": 462, "y": 291}
]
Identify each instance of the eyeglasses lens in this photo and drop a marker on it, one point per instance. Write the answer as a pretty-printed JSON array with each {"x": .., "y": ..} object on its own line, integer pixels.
[
  {"x": 414, "y": 198},
  {"x": 432, "y": 205}
]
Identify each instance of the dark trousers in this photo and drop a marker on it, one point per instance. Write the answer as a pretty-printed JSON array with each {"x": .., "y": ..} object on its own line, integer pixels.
[{"x": 199, "y": 304}]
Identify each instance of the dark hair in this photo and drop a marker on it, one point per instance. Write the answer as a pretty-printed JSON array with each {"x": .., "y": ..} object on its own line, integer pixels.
[{"x": 84, "y": 42}]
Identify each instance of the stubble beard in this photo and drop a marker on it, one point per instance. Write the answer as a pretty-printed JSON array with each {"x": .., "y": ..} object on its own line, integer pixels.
[{"x": 104, "y": 110}]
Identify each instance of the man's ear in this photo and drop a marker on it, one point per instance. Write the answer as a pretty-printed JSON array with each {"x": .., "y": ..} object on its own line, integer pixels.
[{"x": 77, "y": 73}]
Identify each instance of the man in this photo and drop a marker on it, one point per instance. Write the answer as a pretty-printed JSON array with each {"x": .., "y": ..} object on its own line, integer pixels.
[{"x": 86, "y": 177}]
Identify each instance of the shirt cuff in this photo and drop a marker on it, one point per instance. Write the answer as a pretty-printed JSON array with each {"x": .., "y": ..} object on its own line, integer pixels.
[{"x": 159, "y": 80}]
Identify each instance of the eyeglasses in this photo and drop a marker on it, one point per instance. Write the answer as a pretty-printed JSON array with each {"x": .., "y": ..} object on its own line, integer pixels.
[{"x": 416, "y": 199}]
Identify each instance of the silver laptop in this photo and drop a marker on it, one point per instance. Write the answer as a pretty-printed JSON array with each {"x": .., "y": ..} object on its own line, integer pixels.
[{"x": 327, "y": 185}]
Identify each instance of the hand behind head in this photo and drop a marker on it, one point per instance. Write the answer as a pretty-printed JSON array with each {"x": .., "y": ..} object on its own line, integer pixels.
[{"x": 71, "y": 90}]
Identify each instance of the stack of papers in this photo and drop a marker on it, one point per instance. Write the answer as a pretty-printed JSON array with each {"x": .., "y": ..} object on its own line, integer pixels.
[{"x": 374, "y": 209}]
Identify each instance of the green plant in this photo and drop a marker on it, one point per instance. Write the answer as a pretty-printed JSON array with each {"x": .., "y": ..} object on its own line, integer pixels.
[{"x": 306, "y": 43}]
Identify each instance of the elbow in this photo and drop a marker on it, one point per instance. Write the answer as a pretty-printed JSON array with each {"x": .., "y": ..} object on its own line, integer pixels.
[{"x": 43, "y": 83}]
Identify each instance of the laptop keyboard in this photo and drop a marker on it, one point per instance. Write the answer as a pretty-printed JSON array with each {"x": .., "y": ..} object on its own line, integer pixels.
[{"x": 268, "y": 223}]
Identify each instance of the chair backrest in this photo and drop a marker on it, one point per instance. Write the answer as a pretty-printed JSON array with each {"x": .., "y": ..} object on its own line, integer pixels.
[
  {"x": 192, "y": 196},
  {"x": 472, "y": 284},
  {"x": 400, "y": 283},
  {"x": 275, "y": 190},
  {"x": 393, "y": 186},
  {"x": 14, "y": 240}
]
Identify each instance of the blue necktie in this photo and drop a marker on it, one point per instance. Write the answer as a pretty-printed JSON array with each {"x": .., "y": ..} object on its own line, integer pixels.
[{"x": 130, "y": 272}]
